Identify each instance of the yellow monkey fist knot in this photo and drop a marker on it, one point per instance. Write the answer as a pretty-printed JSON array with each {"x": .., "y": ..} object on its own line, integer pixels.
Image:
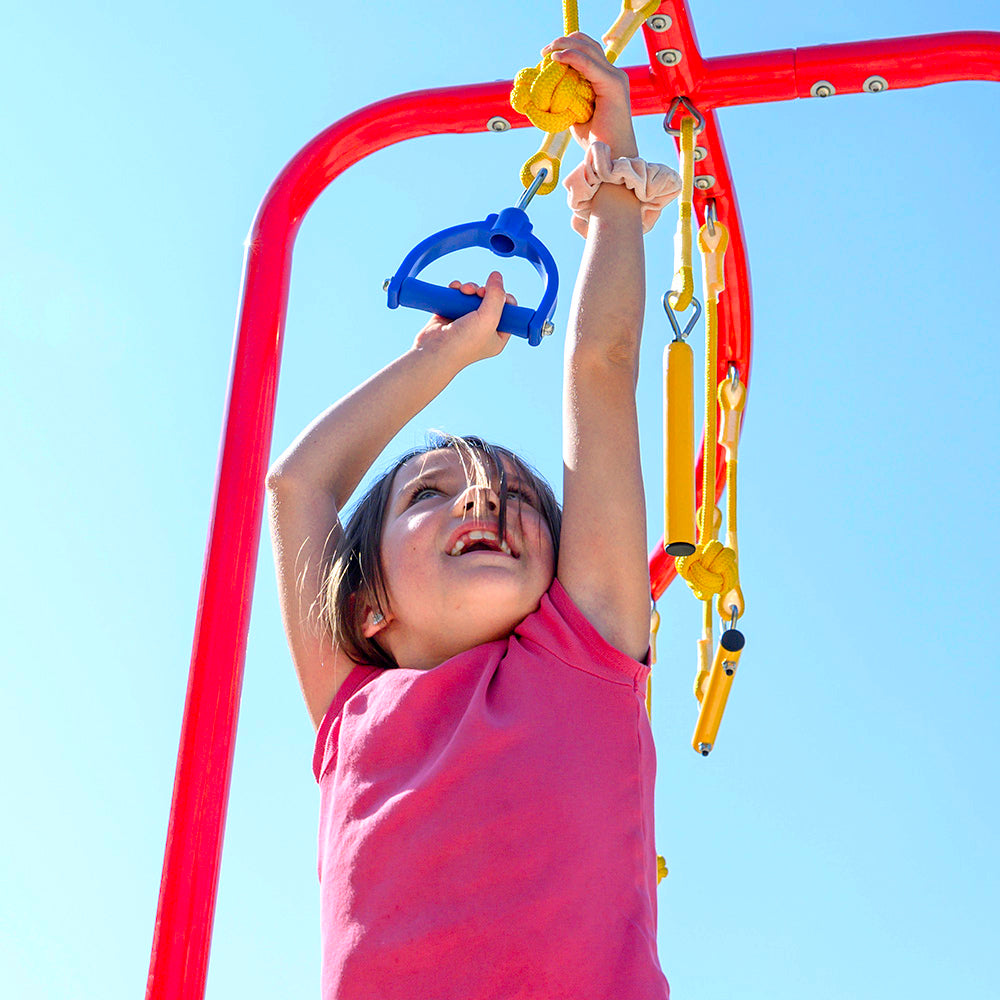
[
  {"x": 710, "y": 569},
  {"x": 552, "y": 96}
]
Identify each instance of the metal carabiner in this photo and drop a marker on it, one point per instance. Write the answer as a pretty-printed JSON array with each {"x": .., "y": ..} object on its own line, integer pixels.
[
  {"x": 710, "y": 216},
  {"x": 683, "y": 102},
  {"x": 669, "y": 310}
]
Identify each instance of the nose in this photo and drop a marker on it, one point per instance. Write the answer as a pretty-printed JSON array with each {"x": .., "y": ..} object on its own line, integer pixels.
[{"x": 476, "y": 500}]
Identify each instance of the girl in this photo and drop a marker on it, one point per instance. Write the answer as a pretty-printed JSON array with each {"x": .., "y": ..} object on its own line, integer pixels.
[{"x": 474, "y": 661}]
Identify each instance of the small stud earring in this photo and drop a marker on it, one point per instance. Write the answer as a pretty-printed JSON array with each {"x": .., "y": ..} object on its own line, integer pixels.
[{"x": 377, "y": 618}]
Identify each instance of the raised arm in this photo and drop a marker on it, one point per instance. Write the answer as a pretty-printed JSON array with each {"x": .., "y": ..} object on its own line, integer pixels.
[
  {"x": 602, "y": 554},
  {"x": 312, "y": 481}
]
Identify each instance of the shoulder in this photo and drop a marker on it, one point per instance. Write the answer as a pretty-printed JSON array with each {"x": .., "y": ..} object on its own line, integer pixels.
[
  {"x": 326, "y": 735},
  {"x": 566, "y": 634}
]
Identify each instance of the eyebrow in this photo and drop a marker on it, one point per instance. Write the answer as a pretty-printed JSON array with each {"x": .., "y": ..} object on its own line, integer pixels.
[
  {"x": 422, "y": 474},
  {"x": 513, "y": 479}
]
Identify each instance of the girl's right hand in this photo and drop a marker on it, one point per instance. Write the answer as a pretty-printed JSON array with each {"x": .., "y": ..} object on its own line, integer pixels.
[
  {"x": 612, "y": 120},
  {"x": 473, "y": 336}
]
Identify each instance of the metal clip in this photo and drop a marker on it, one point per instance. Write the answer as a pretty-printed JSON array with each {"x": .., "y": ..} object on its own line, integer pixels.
[
  {"x": 683, "y": 102},
  {"x": 669, "y": 310}
]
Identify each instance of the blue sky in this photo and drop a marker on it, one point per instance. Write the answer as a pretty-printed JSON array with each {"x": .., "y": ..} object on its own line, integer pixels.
[{"x": 841, "y": 839}]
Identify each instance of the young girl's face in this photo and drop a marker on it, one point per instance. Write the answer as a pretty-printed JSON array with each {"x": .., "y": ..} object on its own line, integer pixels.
[{"x": 452, "y": 581}]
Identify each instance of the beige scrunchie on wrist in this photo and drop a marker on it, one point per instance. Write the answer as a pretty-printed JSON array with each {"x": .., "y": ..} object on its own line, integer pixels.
[{"x": 654, "y": 184}]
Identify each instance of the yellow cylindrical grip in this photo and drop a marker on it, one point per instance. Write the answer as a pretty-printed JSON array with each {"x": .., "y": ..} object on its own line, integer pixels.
[
  {"x": 678, "y": 445},
  {"x": 720, "y": 680}
]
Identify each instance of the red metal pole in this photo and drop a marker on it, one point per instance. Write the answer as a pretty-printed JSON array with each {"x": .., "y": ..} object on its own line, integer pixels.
[{"x": 182, "y": 933}]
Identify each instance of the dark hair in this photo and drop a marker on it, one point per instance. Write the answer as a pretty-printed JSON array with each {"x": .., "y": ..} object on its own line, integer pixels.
[{"x": 356, "y": 574}]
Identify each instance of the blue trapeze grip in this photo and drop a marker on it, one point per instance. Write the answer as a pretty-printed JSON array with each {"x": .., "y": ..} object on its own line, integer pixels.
[
  {"x": 451, "y": 303},
  {"x": 507, "y": 235}
]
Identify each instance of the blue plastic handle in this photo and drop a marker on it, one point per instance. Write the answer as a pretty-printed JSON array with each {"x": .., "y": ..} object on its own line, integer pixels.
[{"x": 507, "y": 235}]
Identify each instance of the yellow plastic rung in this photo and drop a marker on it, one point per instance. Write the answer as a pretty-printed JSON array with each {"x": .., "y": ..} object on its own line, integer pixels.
[
  {"x": 682, "y": 287},
  {"x": 679, "y": 532},
  {"x": 720, "y": 680}
]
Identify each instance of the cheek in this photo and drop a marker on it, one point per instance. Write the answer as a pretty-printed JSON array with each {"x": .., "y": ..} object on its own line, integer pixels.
[
  {"x": 535, "y": 531},
  {"x": 404, "y": 552}
]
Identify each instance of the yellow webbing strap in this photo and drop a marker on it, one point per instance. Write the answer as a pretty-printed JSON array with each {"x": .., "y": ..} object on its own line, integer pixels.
[
  {"x": 683, "y": 285},
  {"x": 705, "y": 644},
  {"x": 554, "y": 96},
  {"x": 549, "y": 156},
  {"x": 732, "y": 399},
  {"x": 630, "y": 19}
]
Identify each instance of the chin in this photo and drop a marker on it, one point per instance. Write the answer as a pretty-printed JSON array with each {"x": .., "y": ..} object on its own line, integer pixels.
[{"x": 502, "y": 608}]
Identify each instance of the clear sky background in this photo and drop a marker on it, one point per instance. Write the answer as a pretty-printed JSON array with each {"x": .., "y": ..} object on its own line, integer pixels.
[{"x": 841, "y": 840}]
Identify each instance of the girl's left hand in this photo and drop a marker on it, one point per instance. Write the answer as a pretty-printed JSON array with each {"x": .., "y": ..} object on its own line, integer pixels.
[
  {"x": 612, "y": 120},
  {"x": 473, "y": 336}
]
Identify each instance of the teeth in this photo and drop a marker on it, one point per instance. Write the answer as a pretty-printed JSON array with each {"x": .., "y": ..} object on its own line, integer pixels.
[{"x": 480, "y": 536}]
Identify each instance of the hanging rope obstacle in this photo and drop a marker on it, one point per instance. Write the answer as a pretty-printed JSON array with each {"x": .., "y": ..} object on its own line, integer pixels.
[{"x": 709, "y": 568}]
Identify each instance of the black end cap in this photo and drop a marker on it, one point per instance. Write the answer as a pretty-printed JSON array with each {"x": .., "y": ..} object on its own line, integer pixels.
[
  {"x": 679, "y": 549},
  {"x": 732, "y": 640}
]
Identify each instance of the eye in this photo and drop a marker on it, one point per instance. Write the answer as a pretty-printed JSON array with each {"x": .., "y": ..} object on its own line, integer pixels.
[
  {"x": 522, "y": 494},
  {"x": 422, "y": 492}
]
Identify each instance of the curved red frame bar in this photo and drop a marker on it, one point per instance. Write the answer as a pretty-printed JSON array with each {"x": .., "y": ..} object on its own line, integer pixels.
[{"x": 182, "y": 932}]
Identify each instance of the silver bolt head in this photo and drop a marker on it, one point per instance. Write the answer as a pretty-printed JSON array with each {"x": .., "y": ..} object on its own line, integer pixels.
[
  {"x": 497, "y": 124},
  {"x": 700, "y": 153},
  {"x": 822, "y": 88},
  {"x": 658, "y": 22},
  {"x": 704, "y": 181},
  {"x": 875, "y": 84},
  {"x": 704, "y": 748},
  {"x": 669, "y": 57},
  {"x": 385, "y": 284},
  {"x": 548, "y": 329}
]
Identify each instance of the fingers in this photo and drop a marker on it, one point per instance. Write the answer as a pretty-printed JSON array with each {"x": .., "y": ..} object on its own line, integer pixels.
[
  {"x": 576, "y": 40},
  {"x": 493, "y": 297},
  {"x": 471, "y": 288},
  {"x": 586, "y": 56}
]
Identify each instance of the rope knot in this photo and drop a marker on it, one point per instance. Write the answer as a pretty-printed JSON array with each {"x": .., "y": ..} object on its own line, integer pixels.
[
  {"x": 711, "y": 569},
  {"x": 552, "y": 96}
]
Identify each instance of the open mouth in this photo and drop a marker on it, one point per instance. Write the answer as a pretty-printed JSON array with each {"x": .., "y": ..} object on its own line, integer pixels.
[{"x": 481, "y": 541}]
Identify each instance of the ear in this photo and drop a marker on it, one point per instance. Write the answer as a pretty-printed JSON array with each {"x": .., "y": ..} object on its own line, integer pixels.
[{"x": 373, "y": 622}]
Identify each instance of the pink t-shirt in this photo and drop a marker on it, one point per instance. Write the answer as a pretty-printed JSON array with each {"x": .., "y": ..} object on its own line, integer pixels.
[{"x": 486, "y": 827}]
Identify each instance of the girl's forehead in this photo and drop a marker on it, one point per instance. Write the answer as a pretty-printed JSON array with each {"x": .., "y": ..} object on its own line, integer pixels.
[{"x": 446, "y": 460}]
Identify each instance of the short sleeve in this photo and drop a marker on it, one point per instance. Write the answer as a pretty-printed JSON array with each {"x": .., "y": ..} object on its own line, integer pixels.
[
  {"x": 326, "y": 735},
  {"x": 563, "y": 630}
]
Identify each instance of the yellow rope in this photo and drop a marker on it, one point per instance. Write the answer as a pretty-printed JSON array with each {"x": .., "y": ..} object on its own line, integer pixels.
[
  {"x": 553, "y": 96},
  {"x": 712, "y": 568}
]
